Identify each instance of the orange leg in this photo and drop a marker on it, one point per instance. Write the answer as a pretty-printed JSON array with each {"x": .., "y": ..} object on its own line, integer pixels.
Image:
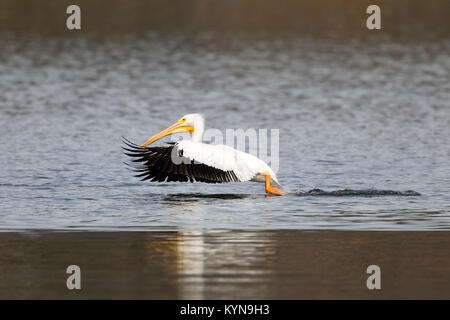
[{"x": 270, "y": 189}]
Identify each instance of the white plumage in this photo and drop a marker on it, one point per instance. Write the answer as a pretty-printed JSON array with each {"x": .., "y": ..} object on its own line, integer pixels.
[
  {"x": 196, "y": 161},
  {"x": 246, "y": 166}
]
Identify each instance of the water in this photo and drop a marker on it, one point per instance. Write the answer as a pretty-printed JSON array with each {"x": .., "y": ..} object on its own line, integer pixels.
[
  {"x": 283, "y": 264},
  {"x": 367, "y": 116},
  {"x": 364, "y": 120}
]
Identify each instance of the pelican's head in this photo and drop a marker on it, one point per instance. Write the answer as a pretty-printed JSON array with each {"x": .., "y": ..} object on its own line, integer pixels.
[{"x": 188, "y": 123}]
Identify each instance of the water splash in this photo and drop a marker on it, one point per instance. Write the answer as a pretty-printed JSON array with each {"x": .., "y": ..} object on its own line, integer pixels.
[{"x": 358, "y": 193}]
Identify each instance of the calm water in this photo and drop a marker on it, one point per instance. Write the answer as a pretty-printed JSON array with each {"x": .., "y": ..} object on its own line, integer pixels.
[
  {"x": 284, "y": 264},
  {"x": 351, "y": 116}
]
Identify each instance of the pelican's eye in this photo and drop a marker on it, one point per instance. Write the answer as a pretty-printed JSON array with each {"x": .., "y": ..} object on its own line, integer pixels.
[{"x": 183, "y": 120}]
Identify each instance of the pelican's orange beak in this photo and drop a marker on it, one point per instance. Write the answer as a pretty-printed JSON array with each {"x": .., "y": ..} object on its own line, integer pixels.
[{"x": 175, "y": 128}]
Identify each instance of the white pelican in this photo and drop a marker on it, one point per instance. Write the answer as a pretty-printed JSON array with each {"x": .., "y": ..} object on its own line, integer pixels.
[{"x": 192, "y": 160}]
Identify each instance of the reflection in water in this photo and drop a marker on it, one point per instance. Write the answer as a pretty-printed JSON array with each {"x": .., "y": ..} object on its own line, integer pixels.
[
  {"x": 217, "y": 262},
  {"x": 225, "y": 264},
  {"x": 193, "y": 196},
  {"x": 191, "y": 255}
]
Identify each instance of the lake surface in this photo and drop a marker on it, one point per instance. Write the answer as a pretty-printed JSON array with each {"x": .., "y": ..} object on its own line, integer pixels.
[
  {"x": 284, "y": 264},
  {"x": 365, "y": 116},
  {"x": 364, "y": 127}
]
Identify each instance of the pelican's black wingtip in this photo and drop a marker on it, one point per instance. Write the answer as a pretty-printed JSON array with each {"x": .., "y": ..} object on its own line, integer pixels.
[
  {"x": 133, "y": 147},
  {"x": 128, "y": 142}
]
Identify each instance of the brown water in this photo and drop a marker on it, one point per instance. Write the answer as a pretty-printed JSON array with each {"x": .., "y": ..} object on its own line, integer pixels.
[
  {"x": 410, "y": 19},
  {"x": 225, "y": 265}
]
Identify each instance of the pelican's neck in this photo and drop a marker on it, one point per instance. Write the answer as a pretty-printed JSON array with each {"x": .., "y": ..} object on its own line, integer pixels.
[{"x": 199, "y": 127}]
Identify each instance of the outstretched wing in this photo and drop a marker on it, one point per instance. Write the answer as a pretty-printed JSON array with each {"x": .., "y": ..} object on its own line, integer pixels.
[{"x": 168, "y": 164}]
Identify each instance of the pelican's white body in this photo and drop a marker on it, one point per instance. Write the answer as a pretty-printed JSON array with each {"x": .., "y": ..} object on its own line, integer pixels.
[{"x": 245, "y": 166}]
